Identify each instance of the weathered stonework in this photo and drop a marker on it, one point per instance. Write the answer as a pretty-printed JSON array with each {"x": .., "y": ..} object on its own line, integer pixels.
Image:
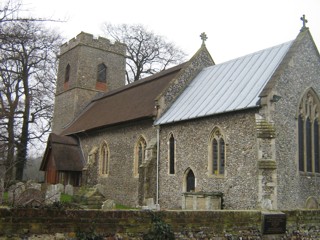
[
  {"x": 238, "y": 185},
  {"x": 83, "y": 54},
  {"x": 199, "y": 61},
  {"x": 121, "y": 185},
  {"x": 301, "y": 70},
  {"x": 281, "y": 184},
  {"x": 65, "y": 224}
]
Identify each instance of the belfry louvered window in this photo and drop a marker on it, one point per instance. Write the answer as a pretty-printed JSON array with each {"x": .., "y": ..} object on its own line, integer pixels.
[
  {"x": 102, "y": 73},
  {"x": 67, "y": 74}
]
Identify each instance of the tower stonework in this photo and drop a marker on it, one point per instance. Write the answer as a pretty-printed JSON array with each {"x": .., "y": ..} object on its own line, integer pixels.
[{"x": 87, "y": 66}]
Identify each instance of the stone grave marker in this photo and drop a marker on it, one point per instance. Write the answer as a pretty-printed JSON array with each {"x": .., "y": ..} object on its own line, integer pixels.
[
  {"x": 312, "y": 203},
  {"x": 15, "y": 191},
  {"x": 53, "y": 194},
  {"x": 108, "y": 204},
  {"x": 69, "y": 190},
  {"x": 30, "y": 197}
]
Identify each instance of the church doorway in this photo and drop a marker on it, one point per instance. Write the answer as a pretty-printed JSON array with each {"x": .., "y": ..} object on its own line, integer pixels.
[{"x": 190, "y": 181}]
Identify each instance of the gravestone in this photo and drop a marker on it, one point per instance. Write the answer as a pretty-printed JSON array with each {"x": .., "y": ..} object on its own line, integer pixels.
[
  {"x": 69, "y": 190},
  {"x": 14, "y": 191},
  {"x": 108, "y": 204},
  {"x": 60, "y": 187},
  {"x": 312, "y": 203},
  {"x": 34, "y": 185},
  {"x": 53, "y": 194},
  {"x": 30, "y": 197}
]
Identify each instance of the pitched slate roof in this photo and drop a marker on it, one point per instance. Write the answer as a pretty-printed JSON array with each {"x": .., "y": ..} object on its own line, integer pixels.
[
  {"x": 132, "y": 102},
  {"x": 226, "y": 87},
  {"x": 66, "y": 153}
]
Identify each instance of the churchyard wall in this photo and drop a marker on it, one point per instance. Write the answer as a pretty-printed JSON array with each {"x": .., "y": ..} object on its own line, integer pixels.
[
  {"x": 66, "y": 224},
  {"x": 192, "y": 146}
]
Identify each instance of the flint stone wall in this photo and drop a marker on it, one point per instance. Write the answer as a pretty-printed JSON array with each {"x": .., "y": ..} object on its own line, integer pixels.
[
  {"x": 300, "y": 224},
  {"x": 120, "y": 184},
  {"x": 239, "y": 183},
  {"x": 301, "y": 73}
]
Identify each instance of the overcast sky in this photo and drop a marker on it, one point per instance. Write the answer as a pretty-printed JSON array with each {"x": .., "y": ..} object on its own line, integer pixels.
[{"x": 234, "y": 27}]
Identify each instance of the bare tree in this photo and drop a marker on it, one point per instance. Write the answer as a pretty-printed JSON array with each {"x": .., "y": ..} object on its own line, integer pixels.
[
  {"x": 27, "y": 74},
  {"x": 147, "y": 53},
  {"x": 9, "y": 11}
]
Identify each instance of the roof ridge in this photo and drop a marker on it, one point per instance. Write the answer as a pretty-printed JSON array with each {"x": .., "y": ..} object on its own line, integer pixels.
[
  {"x": 255, "y": 52},
  {"x": 140, "y": 82}
]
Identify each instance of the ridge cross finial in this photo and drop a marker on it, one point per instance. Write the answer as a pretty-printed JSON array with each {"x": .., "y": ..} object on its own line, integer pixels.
[
  {"x": 304, "y": 21},
  {"x": 203, "y": 37}
]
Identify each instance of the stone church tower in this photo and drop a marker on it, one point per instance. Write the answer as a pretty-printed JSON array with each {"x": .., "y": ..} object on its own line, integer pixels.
[{"x": 87, "y": 66}]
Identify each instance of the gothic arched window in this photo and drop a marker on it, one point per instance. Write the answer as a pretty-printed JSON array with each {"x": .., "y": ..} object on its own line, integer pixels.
[
  {"x": 308, "y": 133},
  {"x": 104, "y": 159},
  {"x": 217, "y": 153},
  {"x": 102, "y": 73},
  {"x": 190, "y": 181},
  {"x": 139, "y": 156},
  {"x": 171, "y": 154}
]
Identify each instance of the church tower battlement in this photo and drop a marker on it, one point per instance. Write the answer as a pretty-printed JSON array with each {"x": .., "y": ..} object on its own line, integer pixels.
[
  {"x": 87, "y": 66},
  {"x": 89, "y": 40}
]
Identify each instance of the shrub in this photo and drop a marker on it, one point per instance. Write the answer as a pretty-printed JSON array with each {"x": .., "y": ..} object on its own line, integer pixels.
[{"x": 159, "y": 229}]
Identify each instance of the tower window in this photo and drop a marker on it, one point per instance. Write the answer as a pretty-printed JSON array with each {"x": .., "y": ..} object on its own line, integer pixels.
[
  {"x": 102, "y": 73},
  {"x": 67, "y": 74}
]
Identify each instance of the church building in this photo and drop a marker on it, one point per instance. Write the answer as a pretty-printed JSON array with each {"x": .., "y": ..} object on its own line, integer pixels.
[{"x": 245, "y": 132}]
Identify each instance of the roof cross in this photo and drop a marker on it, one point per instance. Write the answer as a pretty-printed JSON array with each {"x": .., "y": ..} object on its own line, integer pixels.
[
  {"x": 203, "y": 37},
  {"x": 304, "y": 21}
]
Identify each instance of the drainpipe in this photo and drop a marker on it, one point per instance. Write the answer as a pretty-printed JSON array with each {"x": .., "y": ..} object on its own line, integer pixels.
[{"x": 158, "y": 159}]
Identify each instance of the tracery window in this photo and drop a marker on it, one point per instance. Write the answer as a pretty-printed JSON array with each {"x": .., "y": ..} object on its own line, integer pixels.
[
  {"x": 308, "y": 133},
  {"x": 102, "y": 73},
  {"x": 171, "y": 154},
  {"x": 104, "y": 159},
  {"x": 217, "y": 153},
  {"x": 139, "y": 155}
]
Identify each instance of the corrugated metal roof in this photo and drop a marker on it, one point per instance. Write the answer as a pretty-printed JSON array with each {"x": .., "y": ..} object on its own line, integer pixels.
[{"x": 230, "y": 86}]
